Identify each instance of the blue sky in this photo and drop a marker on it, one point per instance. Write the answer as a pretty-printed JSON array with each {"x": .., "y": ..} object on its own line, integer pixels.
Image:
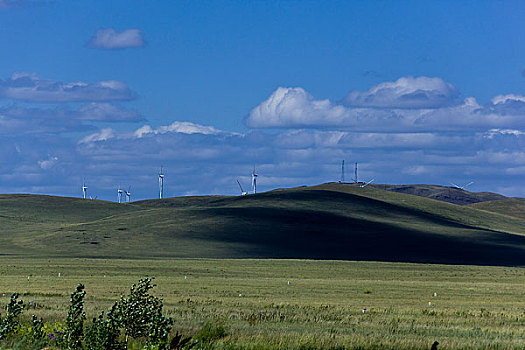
[{"x": 415, "y": 91}]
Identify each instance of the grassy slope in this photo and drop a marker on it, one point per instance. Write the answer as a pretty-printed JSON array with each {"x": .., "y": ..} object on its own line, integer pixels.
[
  {"x": 329, "y": 221},
  {"x": 513, "y": 207},
  {"x": 477, "y": 307}
]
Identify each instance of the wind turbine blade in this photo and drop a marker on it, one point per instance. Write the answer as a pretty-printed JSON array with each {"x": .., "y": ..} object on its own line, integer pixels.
[
  {"x": 368, "y": 183},
  {"x": 240, "y": 186}
]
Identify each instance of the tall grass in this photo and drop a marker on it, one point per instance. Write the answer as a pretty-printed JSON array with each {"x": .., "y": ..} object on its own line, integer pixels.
[{"x": 476, "y": 307}]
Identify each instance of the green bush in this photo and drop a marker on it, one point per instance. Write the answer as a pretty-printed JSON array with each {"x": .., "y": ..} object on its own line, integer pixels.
[
  {"x": 140, "y": 315},
  {"x": 137, "y": 316},
  {"x": 9, "y": 323},
  {"x": 75, "y": 319},
  {"x": 36, "y": 331},
  {"x": 103, "y": 334}
]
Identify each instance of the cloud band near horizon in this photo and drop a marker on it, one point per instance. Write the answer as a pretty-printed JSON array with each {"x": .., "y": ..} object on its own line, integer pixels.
[{"x": 413, "y": 130}]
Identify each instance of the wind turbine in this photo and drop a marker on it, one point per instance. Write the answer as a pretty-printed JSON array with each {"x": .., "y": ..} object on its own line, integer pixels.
[
  {"x": 119, "y": 194},
  {"x": 161, "y": 183},
  {"x": 243, "y": 192},
  {"x": 128, "y": 194},
  {"x": 355, "y": 171},
  {"x": 84, "y": 189},
  {"x": 462, "y": 187},
  {"x": 342, "y": 172},
  {"x": 254, "y": 181},
  {"x": 366, "y": 184}
]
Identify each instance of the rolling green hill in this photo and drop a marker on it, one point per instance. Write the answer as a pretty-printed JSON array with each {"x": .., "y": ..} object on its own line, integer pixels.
[
  {"x": 329, "y": 221},
  {"x": 509, "y": 207}
]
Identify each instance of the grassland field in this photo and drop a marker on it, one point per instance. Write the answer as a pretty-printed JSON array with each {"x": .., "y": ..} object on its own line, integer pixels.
[{"x": 477, "y": 307}]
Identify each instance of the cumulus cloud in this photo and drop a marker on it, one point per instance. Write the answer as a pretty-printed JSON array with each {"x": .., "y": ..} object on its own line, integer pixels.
[
  {"x": 288, "y": 107},
  {"x": 407, "y": 92},
  {"x": 29, "y": 87},
  {"x": 296, "y": 108},
  {"x": 109, "y": 38}
]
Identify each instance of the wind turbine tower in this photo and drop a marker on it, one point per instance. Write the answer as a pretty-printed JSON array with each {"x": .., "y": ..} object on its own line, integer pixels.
[
  {"x": 254, "y": 181},
  {"x": 128, "y": 194},
  {"x": 119, "y": 194},
  {"x": 343, "y": 172},
  {"x": 84, "y": 189},
  {"x": 161, "y": 183},
  {"x": 355, "y": 178}
]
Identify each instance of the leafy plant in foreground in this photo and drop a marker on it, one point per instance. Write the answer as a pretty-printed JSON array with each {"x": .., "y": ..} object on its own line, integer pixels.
[
  {"x": 104, "y": 333},
  {"x": 140, "y": 315},
  {"x": 75, "y": 318},
  {"x": 36, "y": 331},
  {"x": 9, "y": 323}
]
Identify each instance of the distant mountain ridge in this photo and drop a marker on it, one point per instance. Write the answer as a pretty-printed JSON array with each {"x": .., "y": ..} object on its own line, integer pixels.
[{"x": 443, "y": 193}]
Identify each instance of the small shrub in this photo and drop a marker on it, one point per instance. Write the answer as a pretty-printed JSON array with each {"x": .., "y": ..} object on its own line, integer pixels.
[{"x": 9, "y": 323}]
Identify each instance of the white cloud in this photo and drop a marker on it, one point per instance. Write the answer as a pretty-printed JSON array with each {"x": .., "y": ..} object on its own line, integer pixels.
[
  {"x": 456, "y": 143},
  {"x": 296, "y": 108},
  {"x": 507, "y": 98},
  {"x": 48, "y": 163},
  {"x": 109, "y": 38},
  {"x": 103, "y": 135},
  {"x": 178, "y": 127},
  {"x": 28, "y": 87},
  {"x": 508, "y": 105},
  {"x": 496, "y": 132},
  {"x": 144, "y": 130},
  {"x": 406, "y": 92}
]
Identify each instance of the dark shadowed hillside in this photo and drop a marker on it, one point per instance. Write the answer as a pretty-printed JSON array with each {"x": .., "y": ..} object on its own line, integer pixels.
[{"x": 330, "y": 221}]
